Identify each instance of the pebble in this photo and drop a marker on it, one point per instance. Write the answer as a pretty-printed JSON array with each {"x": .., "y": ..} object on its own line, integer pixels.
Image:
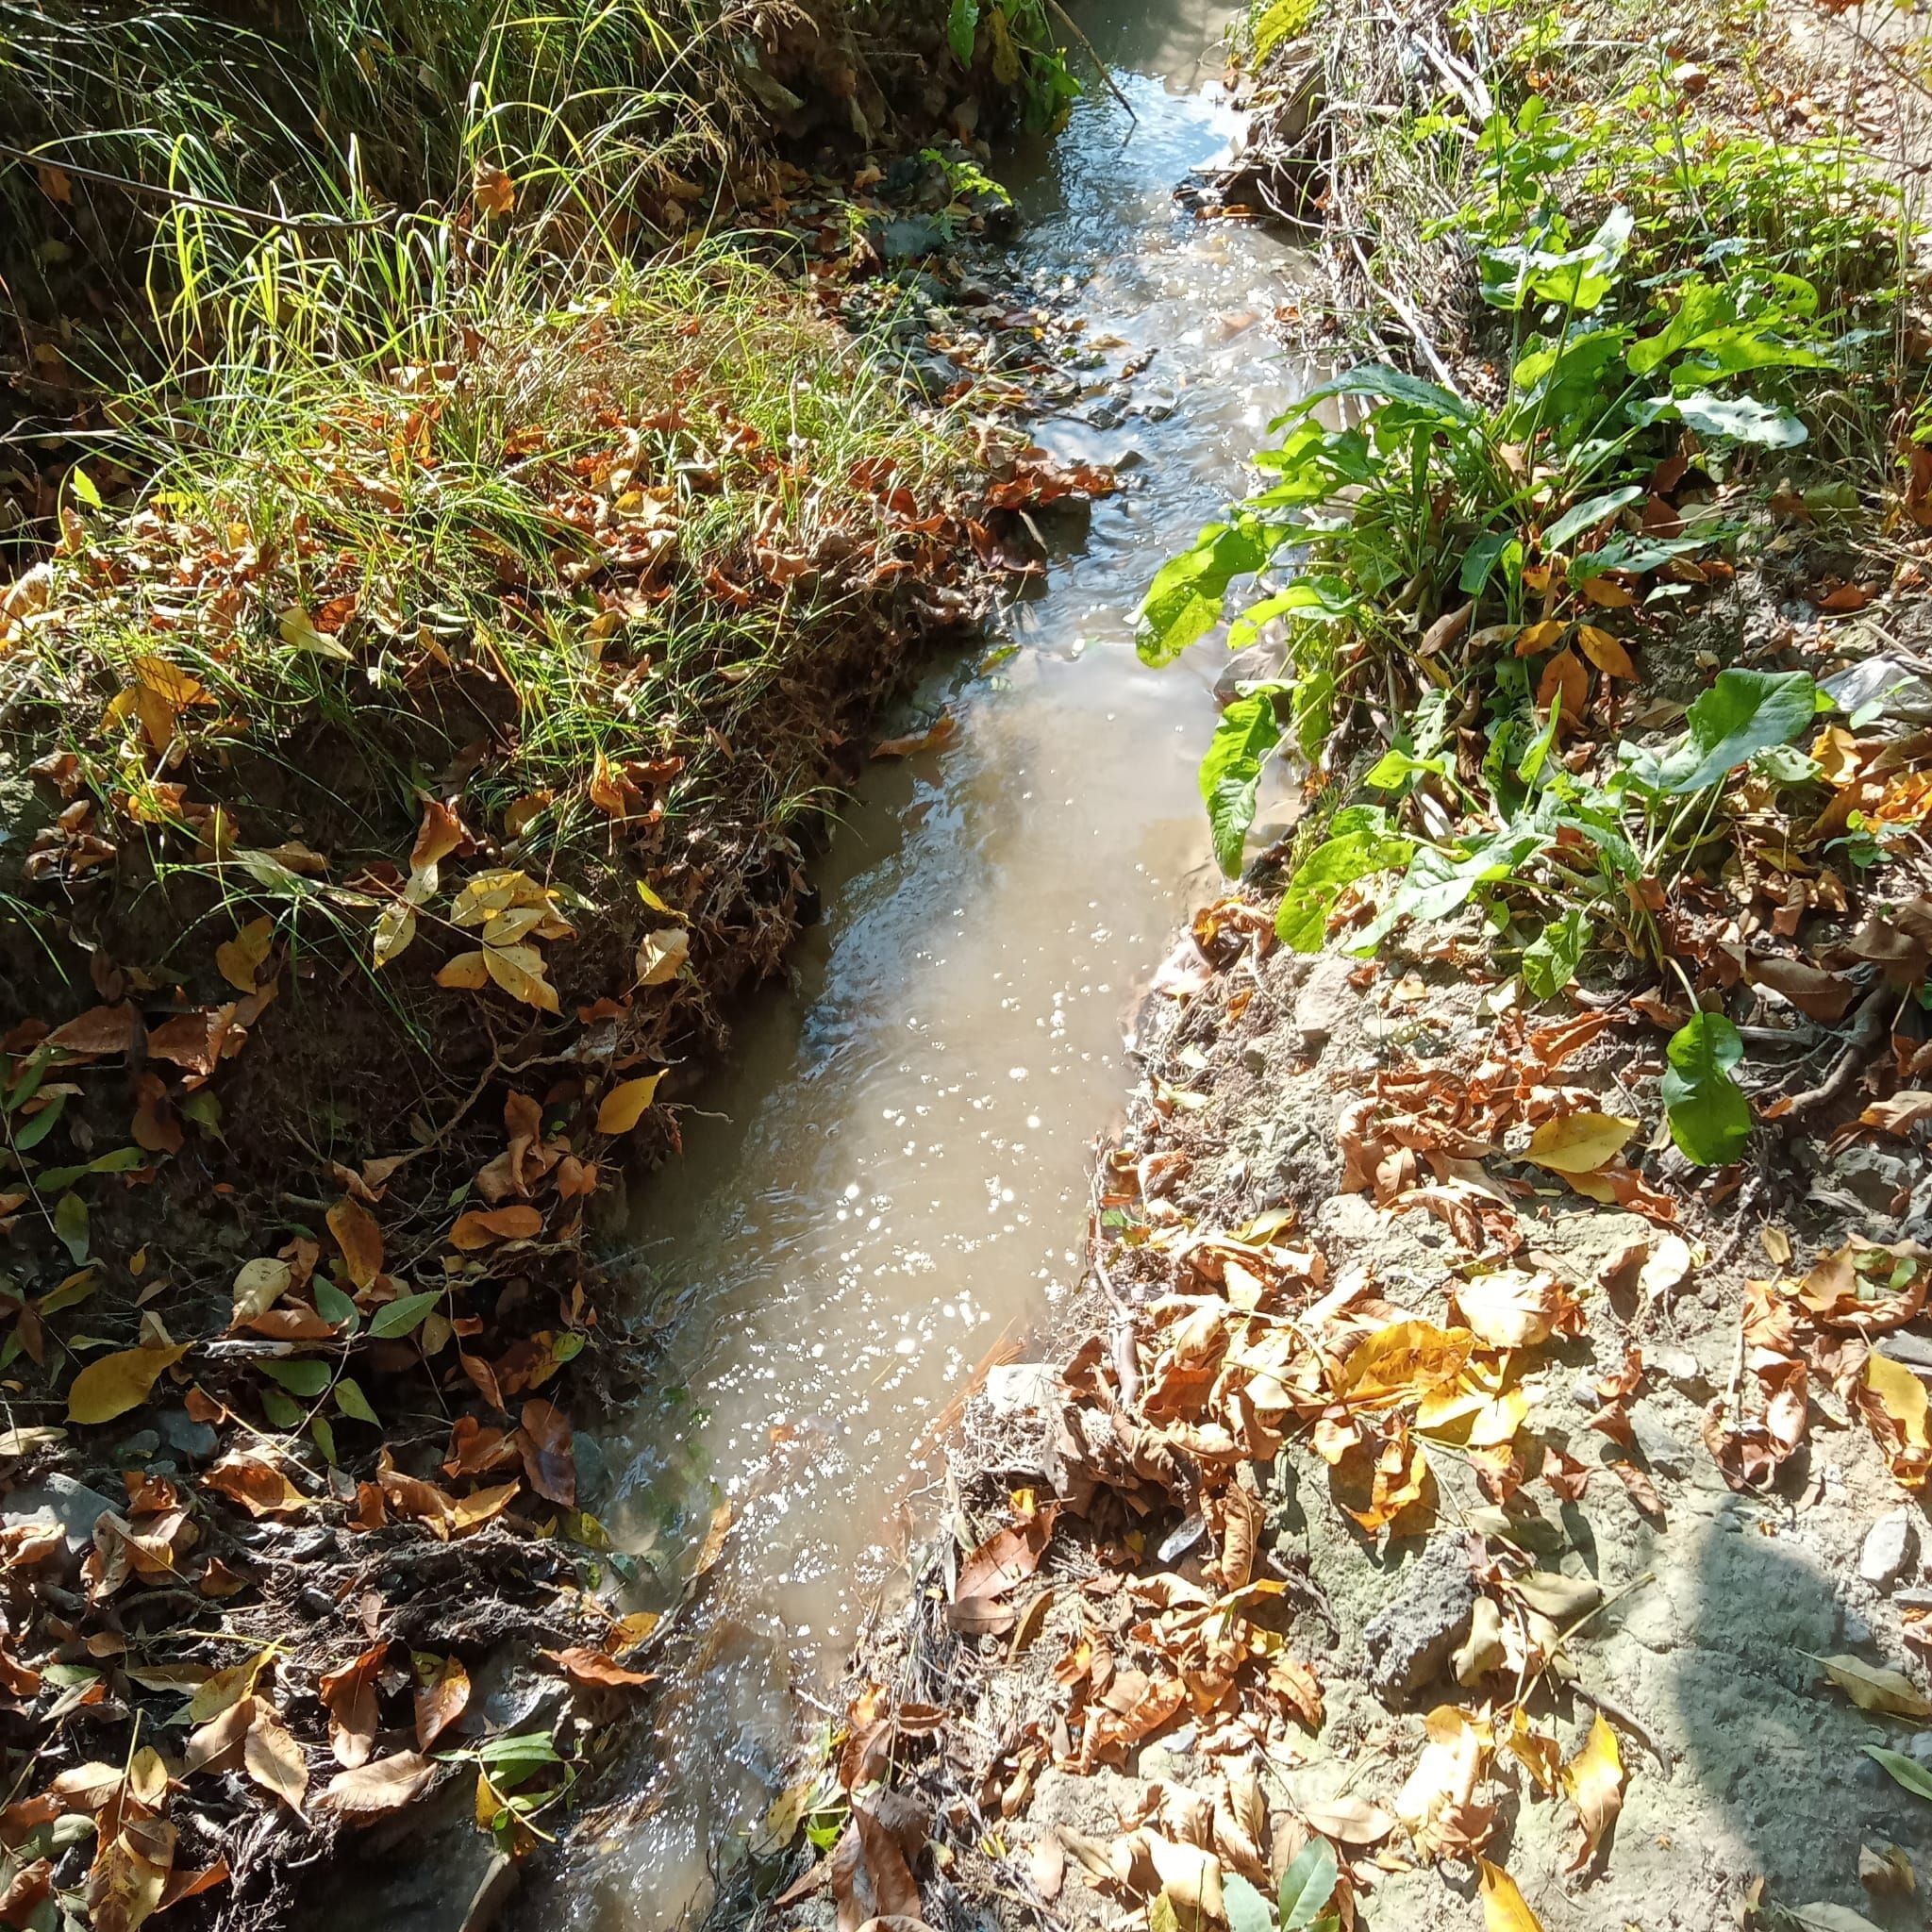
[
  {"x": 1890, "y": 1547},
  {"x": 1583, "y": 1391},
  {"x": 1920, "y": 1746},
  {"x": 1853, "y": 1629}
]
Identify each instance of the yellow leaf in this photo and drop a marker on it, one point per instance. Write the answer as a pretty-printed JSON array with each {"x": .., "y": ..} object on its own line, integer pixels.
[
  {"x": 359, "y": 1238},
  {"x": 519, "y": 970},
  {"x": 299, "y": 632},
  {"x": 480, "y": 1506},
  {"x": 660, "y": 955},
  {"x": 624, "y": 1106},
  {"x": 238, "y": 958},
  {"x": 466, "y": 972},
  {"x": 495, "y": 192},
  {"x": 259, "y": 1285},
  {"x": 1606, "y": 593},
  {"x": 119, "y": 1382},
  {"x": 1581, "y": 1142},
  {"x": 1874, "y": 1688},
  {"x": 1537, "y": 637},
  {"x": 1503, "y": 1908},
  {"x": 1894, "y": 1403},
  {"x": 1594, "y": 1779},
  {"x": 655, "y": 902},
  {"x": 1605, "y": 652},
  {"x": 396, "y": 930}
]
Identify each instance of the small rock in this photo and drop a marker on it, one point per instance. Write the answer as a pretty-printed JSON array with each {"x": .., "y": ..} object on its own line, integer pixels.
[
  {"x": 1677, "y": 1366},
  {"x": 1875, "y": 1177},
  {"x": 1920, "y": 1746},
  {"x": 1890, "y": 1547},
  {"x": 1583, "y": 1392},
  {"x": 1325, "y": 1000},
  {"x": 192, "y": 1440},
  {"x": 75, "y": 1506},
  {"x": 1853, "y": 1630},
  {"x": 1255, "y": 1058},
  {"x": 137, "y": 1448},
  {"x": 1659, "y": 1446}
]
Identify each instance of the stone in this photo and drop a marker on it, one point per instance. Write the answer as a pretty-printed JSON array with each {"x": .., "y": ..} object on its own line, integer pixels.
[
  {"x": 1919, "y": 1746},
  {"x": 191, "y": 1441},
  {"x": 1409, "y": 1642},
  {"x": 1325, "y": 1000},
  {"x": 1890, "y": 1547},
  {"x": 1660, "y": 1447},
  {"x": 59, "y": 1499}
]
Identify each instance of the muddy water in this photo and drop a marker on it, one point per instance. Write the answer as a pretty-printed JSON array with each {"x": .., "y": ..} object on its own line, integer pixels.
[{"x": 891, "y": 1183}]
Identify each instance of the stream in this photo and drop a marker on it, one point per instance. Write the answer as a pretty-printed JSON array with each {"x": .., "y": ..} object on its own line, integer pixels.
[{"x": 889, "y": 1186}]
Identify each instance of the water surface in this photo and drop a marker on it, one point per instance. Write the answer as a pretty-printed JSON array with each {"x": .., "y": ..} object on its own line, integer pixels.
[{"x": 890, "y": 1183}]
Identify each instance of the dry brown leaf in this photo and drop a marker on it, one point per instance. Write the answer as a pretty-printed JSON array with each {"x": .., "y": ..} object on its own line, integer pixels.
[
  {"x": 545, "y": 1442},
  {"x": 442, "y": 1694},
  {"x": 479, "y": 1227},
  {"x": 583, "y": 1665},
  {"x": 374, "y": 1790},
  {"x": 273, "y": 1759},
  {"x": 359, "y": 1238},
  {"x": 349, "y": 1695}
]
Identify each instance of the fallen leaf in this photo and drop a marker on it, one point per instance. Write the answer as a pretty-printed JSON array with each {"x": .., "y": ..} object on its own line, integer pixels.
[
  {"x": 116, "y": 1383},
  {"x": 349, "y": 1695},
  {"x": 544, "y": 1442},
  {"x": 1594, "y": 1780},
  {"x": 661, "y": 954},
  {"x": 1581, "y": 1142},
  {"x": 1871, "y": 1686},
  {"x": 583, "y": 1665},
  {"x": 359, "y": 1238},
  {"x": 374, "y": 1790},
  {"x": 442, "y": 1694},
  {"x": 479, "y": 1227},
  {"x": 1503, "y": 1908},
  {"x": 624, "y": 1106},
  {"x": 240, "y": 960},
  {"x": 273, "y": 1759}
]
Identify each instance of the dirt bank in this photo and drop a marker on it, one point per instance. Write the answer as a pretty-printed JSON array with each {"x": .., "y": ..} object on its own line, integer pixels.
[{"x": 1483, "y": 1483}]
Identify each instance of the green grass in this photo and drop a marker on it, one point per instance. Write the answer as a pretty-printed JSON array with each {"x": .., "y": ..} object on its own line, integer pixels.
[{"x": 621, "y": 527}]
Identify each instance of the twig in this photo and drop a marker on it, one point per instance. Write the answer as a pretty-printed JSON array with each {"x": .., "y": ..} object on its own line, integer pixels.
[
  {"x": 1867, "y": 1031},
  {"x": 1408, "y": 318},
  {"x": 1637, "y": 1729},
  {"x": 1073, "y": 27},
  {"x": 1121, "y": 1325},
  {"x": 180, "y": 197}
]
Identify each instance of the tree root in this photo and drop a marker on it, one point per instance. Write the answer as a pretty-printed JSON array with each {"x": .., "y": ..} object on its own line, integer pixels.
[{"x": 1867, "y": 1029}]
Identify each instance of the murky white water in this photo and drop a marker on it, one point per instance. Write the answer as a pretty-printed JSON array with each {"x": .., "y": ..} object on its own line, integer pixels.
[{"x": 893, "y": 1177}]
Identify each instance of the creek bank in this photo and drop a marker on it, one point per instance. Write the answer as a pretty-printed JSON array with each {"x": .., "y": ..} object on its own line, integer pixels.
[
  {"x": 399, "y": 793},
  {"x": 1474, "y": 1529}
]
